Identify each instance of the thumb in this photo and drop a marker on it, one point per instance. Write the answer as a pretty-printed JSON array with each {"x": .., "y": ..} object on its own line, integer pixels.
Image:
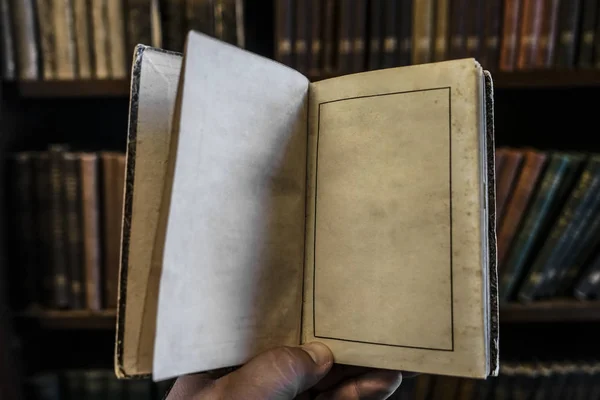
[{"x": 278, "y": 374}]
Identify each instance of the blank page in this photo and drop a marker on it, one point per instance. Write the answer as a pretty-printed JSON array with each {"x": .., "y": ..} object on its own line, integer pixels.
[{"x": 234, "y": 211}]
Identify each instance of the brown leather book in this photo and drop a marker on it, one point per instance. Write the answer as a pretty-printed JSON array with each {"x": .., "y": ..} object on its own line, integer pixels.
[
  {"x": 345, "y": 28},
  {"x": 442, "y": 18},
  {"x": 490, "y": 42},
  {"x": 111, "y": 232},
  {"x": 359, "y": 35},
  {"x": 500, "y": 154},
  {"x": 473, "y": 28},
  {"x": 531, "y": 22},
  {"x": 510, "y": 30},
  {"x": 90, "y": 207},
  {"x": 284, "y": 29},
  {"x": 544, "y": 54},
  {"x": 506, "y": 177},
  {"x": 533, "y": 165},
  {"x": 301, "y": 39},
  {"x": 314, "y": 64},
  {"x": 422, "y": 31}
]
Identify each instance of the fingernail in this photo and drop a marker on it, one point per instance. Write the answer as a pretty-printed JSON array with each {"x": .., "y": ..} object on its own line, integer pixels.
[{"x": 319, "y": 353}]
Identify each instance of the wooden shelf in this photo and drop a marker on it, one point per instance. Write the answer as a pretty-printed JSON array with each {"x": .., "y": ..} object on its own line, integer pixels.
[
  {"x": 74, "y": 89},
  {"x": 80, "y": 319},
  {"x": 563, "y": 310}
]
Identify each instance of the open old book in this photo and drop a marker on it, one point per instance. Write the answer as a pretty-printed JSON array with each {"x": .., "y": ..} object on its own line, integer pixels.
[{"x": 263, "y": 210}]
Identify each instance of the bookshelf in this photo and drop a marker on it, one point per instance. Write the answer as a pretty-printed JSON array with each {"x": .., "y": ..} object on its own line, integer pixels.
[{"x": 70, "y": 319}]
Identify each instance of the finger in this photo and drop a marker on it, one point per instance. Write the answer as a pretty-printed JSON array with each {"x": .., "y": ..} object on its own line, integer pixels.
[
  {"x": 280, "y": 373},
  {"x": 339, "y": 373},
  {"x": 374, "y": 385},
  {"x": 186, "y": 387}
]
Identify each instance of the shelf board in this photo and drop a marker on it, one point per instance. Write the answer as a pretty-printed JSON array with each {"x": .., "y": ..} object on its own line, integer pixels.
[
  {"x": 560, "y": 310},
  {"x": 71, "y": 319},
  {"x": 74, "y": 89}
]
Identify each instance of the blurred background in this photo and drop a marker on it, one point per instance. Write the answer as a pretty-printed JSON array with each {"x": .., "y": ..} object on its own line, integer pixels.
[{"x": 63, "y": 125}]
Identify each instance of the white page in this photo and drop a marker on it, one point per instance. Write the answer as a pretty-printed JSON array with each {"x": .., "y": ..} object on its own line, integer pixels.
[{"x": 233, "y": 249}]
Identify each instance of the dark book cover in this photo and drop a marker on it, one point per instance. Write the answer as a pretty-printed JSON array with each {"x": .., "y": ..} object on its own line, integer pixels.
[
  {"x": 115, "y": 388},
  {"x": 544, "y": 54},
  {"x": 557, "y": 178},
  {"x": 60, "y": 273},
  {"x": 74, "y": 384},
  {"x": 95, "y": 385},
  {"x": 74, "y": 243},
  {"x": 589, "y": 280},
  {"x": 7, "y": 43},
  {"x": 458, "y": 29},
  {"x": 45, "y": 21},
  {"x": 26, "y": 34},
  {"x": 473, "y": 28},
  {"x": 424, "y": 386},
  {"x": 200, "y": 16},
  {"x": 139, "y": 25},
  {"x": 345, "y": 28},
  {"x": 359, "y": 35},
  {"x": 315, "y": 66},
  {"x": 571, "y": 213},
  {"x": 301, "y": 39},
  {"x": 490, "y": 40},
  {"x": 531, "y": 21},
  {"x": 43, "y": 215},
  {"x": 403, "y": 43},
  {"x": 139, "y": 389},
  {"x": 173, "y": 22},
  {"x": 284, "y": 31},
  {"x": 391, "y": 33},
  {"x": 329, "y": 30},
  {"x": 375, "y": 33},
  {"x": 44, "y": 386},
  {"x": 568, "y": 29},
  {"x": 510, "y": 31},
  {"x": 587, "y": 34},
  {"x": 226, "y": 22}
]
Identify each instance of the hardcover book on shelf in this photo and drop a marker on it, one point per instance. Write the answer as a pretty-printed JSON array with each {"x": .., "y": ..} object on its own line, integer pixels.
[{"x": 263, "y": 210}]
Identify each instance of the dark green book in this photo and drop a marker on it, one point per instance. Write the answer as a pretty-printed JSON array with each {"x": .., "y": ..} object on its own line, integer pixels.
[
  {"x": 562, "y": 230},
  {"x": 558, "y": 177},
  {"x": 589, "y": 281}
]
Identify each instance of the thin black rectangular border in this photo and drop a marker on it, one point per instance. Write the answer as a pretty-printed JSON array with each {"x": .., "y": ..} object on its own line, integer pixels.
[{"x": 451, "y": 231}]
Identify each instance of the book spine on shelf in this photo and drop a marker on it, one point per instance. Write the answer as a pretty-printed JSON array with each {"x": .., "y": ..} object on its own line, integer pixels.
[
  {"x": 83, "y": 34},
  {"x": 404, "y": 43},
  {"x": 375, "y": 34},
  {"x": 358, "y": 31},
  {"x": 390, "y": 34},
  {"x": 284, "y": 29}
]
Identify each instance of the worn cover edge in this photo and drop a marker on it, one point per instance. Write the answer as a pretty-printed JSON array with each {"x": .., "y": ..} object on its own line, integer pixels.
[{"x": 494, "y": 327}]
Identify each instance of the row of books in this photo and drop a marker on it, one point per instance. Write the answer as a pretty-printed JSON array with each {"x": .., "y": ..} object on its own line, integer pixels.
[
  {"x": 66, "y": 212},
  {"x": 565, "y": 381},
  {"x": 342, "y": 36},
  {"x": 96, "y": 384},
  {"x": 548, "y": 221},
  {"x": 79, "y": 39}
]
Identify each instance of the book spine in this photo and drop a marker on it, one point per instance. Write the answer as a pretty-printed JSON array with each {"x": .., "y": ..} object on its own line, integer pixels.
[
  {"x": 156, "y": 34},
  {"x": 9, "y": 63},
  {"x": 545, "y": 50},
  {"x": 200, "y": 16},
  {"x": 490, "y": 41},
  {"x": 100, "y": 39},
  {"x": 71, "y": 189},
  {"x": 115, "y": 388},
  {"x": 43, "y": 207},
  {"x": 530, "y": 32},
  {"x": 61, "y": 285},
  {"x": 284, "y": 28},
  {"x": 586, "y": 186},
  {"x": 225, "y": 22},
  {"x": 46, "y": 35},
  {"x": 174, "y": 24},
  {"x": 329, "y": 36},
  {"x": 508, "y": 48},
  {"x": 73, "y": 380},
  {"x": 499, "y": 160},
  {"x": 513, "y": 269},
  {"x": 95, "y": 385},
  {"x": 474, "y": 26},
  {"x": 109, "y": 231},
  {"x": 567, "y": 32},
  {"x": 23, "y": 206},
  {"x": 315, "y": 59},
  {"x": 404, "y": 43},
  {"x": 139, "y": 389},
  {"x": 64, "y": 39},
  {"x": 81, "y": 13},
  {"x": 422, "y": 31},
  {"x": 28, "y": 60},
  {"x": 506, "y": 178},
  {"x": 359, "y": 33},
  {"x": 589, "y": 281},
  {"x": 588, "y": 33},
  {"x": 442, "y": 16},
  {"x": 533, "y": 164},
  {"x": 457, "y": 29},
  {"x": 240, "y": 26},
  {"x": 345, "y": 37},
  {"x": 139, "y": 22},
  {"x": 301, "y": 39},
  {"x": 375, "y": 31},
  {"x": 116, "y": 39},
  {"x": 390, "y": 34},
  {"x": 597, "y": 45}
]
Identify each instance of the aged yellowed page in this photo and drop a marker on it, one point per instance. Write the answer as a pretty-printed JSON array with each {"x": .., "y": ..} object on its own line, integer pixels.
[
  {"x": 234, "y": 204},
  {"x": 154, "y": 87},
  {"x": 394, "y": 268}
]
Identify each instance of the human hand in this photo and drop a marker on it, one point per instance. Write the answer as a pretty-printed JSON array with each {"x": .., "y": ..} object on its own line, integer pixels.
[{"x": 287, "y": 373}]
